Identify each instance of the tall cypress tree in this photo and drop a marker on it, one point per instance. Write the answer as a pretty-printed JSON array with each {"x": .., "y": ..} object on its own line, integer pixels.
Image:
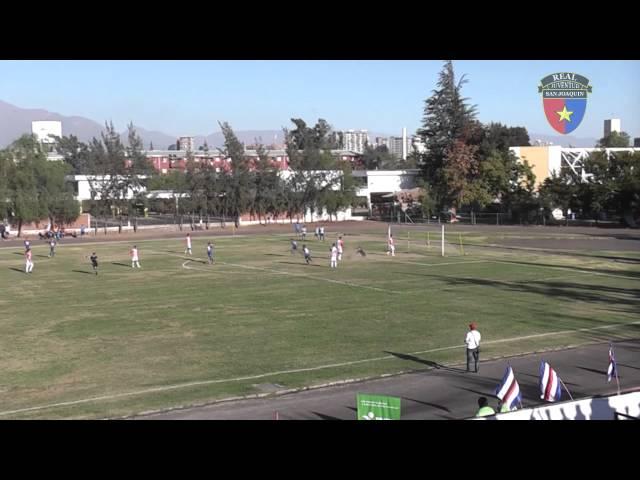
[{"x": 448, "y": 125}]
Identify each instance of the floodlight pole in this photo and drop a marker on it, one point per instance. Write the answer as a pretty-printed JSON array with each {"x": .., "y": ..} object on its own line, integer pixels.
[{"x": 442, "y": 240}]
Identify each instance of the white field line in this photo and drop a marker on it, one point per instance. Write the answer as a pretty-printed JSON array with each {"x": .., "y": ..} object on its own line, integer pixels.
[
  {"x": 445, "y": 263},
  {"x": 569, "y": 269},
  {"x": 134, "y": 241},
  {"x": 298, "y": 370},
  {"x": 301, "y": 275}
]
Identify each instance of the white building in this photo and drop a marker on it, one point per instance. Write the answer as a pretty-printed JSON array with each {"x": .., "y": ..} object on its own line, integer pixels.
[
  {"x": 356, "y": 141},
  {"x": 547, "y": 160},
  {"x": 186, "y": 144},
  {"x": 378, "y": 183},
  {"x": 382, "y": 141},
  {"x": 87, "y": 187},
  {"x": 612, "y": 125},
  {"x": 45, "y": 130},
  {"x": 400, "y": 147}
]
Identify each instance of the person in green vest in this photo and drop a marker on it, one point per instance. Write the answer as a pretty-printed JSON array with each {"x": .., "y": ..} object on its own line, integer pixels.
[
  {"x": 502, "y": 407},
  {"x": 484, "y": 409}
]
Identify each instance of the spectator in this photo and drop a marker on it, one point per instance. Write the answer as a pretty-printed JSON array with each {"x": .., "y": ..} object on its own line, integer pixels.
[
  {"x": 484, "y": 409},
  {"x": 472, "y": 340}
]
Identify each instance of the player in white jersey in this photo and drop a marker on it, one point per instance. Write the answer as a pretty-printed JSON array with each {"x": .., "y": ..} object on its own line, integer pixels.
[
  {"x": 135, "y": 261},
  {"x": 340, "y": 248},
  {"x": 210, "y": 252},
  {"x": 188, "y": 249},
  {"x": 391, "y": 246},
  {"x": 28, "y": 267},
  {"x": 334, "y": 256},
  {"x": 307, "y": 254}
]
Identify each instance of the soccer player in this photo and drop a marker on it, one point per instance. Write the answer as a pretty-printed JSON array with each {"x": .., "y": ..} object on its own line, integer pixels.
[
  {"x": 391, "y": 246},
  {"x": 52, "y": 247},
  {"x": 334, "y": 256},
  {"x": 94, "y": 262},
  {"x": 27, "y": 244},
  {"x": 361, "y": 252},
  {"x": 188, "y": 249},
  {"x": 340, "y": 248},
  {"x": 322, "y": 233},
  {"x": 294, "y": 247},
  {"x": 307, "y": 254},
  {"x": 304, "y": 232},
  {"x": 210, "y": 253},
  {"x": 134, "y": 257},
  {"x": 28, "y": 268},
  {"x": 316, "y": 234}
]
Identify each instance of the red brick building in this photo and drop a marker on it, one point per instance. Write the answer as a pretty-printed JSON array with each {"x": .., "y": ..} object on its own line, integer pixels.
[{"x": 164, "y": 161}]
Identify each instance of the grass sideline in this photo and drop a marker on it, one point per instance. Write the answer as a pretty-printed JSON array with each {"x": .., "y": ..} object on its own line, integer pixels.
[{"x": 180, "y": 332}]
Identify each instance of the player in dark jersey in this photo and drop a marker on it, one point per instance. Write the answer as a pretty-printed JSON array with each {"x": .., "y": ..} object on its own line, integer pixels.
[{"x": 94, "y": 262}]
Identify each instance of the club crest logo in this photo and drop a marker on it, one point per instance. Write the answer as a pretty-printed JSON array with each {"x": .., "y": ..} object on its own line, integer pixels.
[{"x": 564, "y": 97}]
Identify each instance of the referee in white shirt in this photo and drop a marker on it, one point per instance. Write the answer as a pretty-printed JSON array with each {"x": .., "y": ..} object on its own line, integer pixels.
[{"x": 472, "y": 340}]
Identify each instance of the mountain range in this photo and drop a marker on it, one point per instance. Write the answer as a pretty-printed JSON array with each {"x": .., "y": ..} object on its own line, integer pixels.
[{"x": 15, "y": 121}]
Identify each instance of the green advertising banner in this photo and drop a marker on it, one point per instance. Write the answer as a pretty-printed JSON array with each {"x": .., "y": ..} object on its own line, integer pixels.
[{"x": 378, "y": 407}]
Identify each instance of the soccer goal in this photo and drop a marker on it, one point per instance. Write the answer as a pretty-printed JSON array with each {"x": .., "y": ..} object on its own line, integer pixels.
[{"x": 436, "y": 241}]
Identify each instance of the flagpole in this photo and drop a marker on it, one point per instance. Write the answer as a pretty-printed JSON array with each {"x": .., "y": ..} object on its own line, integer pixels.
[
  {"x": 565, "y": 387},
  {"x": 615, "y": 367}
]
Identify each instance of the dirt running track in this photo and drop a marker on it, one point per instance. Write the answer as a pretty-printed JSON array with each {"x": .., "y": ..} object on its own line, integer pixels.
[{"x": 552, "y": 237}]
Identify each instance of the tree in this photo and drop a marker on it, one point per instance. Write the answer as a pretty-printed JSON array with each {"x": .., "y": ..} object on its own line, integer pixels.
[
  {"x": 7, "y": 172},
  {"x": 614, "y": 140},
  {"x": 375, "y": 158},
  {"x": 448, "y": 125},
  {"x": 110, "y": 180},
  {"x": 614, "y": 184},
  {"x": 36, "y": 188},
  {"x": 265, "y": 181},
  {"x": 558, "y": 191},
  {"x": 75, "y": 153},
  {"x": 237, "y": 198},
  {"x": 460, "y": 170}
]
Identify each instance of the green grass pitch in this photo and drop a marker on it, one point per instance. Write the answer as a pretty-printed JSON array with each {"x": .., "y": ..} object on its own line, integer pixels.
[{"x": 181, "y": 332}]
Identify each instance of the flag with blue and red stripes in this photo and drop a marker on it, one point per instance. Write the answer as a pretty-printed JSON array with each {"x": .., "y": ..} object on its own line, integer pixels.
[
  {"x": 549, "y": 383},
  {"x": 509, "y": 391},
  {"x": 611, "y": 371}
]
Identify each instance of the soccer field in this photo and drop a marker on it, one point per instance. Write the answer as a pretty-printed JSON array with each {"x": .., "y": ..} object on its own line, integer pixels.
[{"x": 181, "y": 332}]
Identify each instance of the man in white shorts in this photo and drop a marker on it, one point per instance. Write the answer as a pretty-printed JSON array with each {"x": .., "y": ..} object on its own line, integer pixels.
[
  {"x": 334, "y": 256},
  {"x": 188, "y": 249},
  {"x": 135, "y": 262},
  {"x": 391, "y": 246}
]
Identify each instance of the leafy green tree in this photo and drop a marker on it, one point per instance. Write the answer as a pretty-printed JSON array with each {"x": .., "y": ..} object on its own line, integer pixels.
[
  {"x": 448, "y": 126},
  {"x": 615, "y": 140}
]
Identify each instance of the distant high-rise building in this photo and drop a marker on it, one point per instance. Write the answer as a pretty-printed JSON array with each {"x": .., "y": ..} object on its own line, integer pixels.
[
  {"x": 400, "y": 146},
  {"x": 636, "y": 142},
  {"x": 186, "y": 144},
  {"x": 382, "y": 141},
  {"x": 355, "y": 141},
  {"x": 611, "y": 125},
  {"x": 44, "y": 130}
]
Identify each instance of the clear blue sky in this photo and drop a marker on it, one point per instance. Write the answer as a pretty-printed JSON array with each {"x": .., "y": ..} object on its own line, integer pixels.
[{"x": 189, "y": 97}]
